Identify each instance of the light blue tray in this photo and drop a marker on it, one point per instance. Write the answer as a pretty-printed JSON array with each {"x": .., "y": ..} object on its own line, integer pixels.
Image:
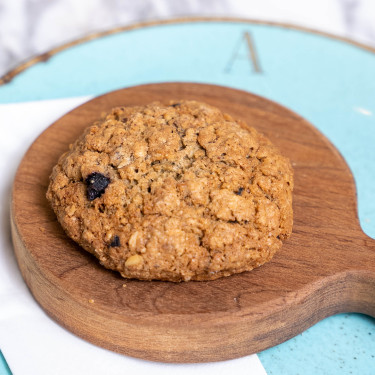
[
  {"x": 330, "y": 82},
  {"x": 4, "y": 368}
]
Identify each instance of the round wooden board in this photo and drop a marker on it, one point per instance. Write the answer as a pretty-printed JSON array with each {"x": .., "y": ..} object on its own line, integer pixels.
[{"x": 326, "y": 267}]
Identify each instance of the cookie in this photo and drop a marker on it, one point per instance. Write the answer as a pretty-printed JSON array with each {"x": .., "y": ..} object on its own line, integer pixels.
[{"x": 177, "y": 192}]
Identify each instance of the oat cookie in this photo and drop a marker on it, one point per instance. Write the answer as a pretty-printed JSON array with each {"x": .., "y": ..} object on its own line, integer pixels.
[{"x": 176, "y": 191}]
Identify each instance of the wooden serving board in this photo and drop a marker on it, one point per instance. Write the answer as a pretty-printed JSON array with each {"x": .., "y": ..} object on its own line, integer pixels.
[{"x": 326, "y": 267}]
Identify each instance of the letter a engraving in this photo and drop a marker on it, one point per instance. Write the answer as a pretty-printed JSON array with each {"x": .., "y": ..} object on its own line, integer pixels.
[{"x": 251, "y": 56}]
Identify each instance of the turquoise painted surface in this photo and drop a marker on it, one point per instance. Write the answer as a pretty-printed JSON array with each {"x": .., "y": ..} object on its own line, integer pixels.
[
  {"x": 343, "y": 344},
  {"x": 4, "y": 368},
  {"x": 329, "y": 82}
]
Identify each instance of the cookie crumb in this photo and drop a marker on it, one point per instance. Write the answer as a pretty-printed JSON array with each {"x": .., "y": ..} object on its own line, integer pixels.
[{"x": 134, "y": 260}]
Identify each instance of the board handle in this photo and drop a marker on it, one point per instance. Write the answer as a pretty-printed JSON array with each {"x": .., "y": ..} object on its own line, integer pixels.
[{"x": 359, "y": 279}]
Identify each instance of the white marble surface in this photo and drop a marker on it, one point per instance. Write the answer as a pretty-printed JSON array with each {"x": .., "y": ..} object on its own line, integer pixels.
[{"x": 30, "y": 27}]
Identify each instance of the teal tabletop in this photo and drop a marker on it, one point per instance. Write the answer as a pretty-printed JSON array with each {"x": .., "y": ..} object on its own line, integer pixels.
[{"x": 327, "y": 80}]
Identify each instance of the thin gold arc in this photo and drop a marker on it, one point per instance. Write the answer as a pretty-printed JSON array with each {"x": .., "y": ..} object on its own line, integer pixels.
[{"x": 47, "y": 55}]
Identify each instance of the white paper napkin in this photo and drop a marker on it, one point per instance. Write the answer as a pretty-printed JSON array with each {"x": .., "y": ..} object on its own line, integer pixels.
[{"x": 32, "y": 343}]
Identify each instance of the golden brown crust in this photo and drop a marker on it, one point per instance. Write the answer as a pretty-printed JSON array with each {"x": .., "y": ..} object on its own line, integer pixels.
[{"x": 192, "y": 194}]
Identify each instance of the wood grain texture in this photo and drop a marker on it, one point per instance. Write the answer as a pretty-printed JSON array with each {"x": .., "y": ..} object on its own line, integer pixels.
[{"x": 326, "y": 267}]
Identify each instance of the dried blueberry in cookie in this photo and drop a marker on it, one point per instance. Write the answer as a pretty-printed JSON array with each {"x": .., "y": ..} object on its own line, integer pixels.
[{"x": 96, "y": 185}]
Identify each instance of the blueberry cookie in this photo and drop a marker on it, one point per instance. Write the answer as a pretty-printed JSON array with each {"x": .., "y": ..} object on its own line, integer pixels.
[{"x": 177, "y": 192}]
